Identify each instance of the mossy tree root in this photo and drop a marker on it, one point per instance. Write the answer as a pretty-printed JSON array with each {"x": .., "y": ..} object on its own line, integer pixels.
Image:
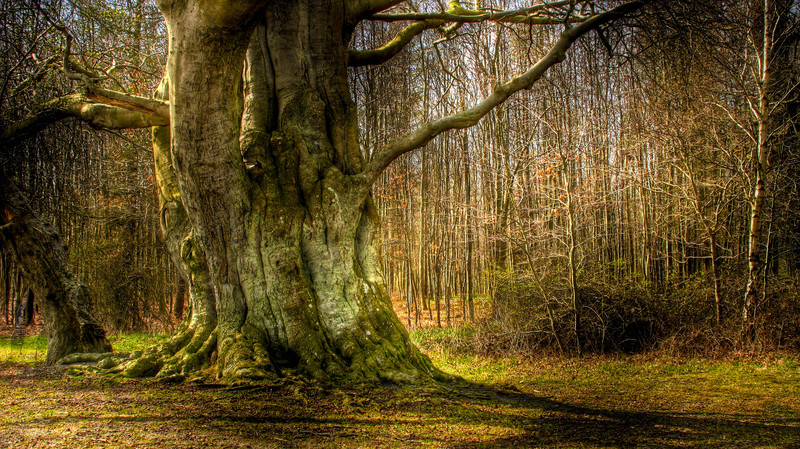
[{"x": 186, "y": 352}]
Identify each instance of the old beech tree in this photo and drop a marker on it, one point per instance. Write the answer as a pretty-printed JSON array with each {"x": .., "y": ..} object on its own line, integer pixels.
[{"x": 264, "y": 192}]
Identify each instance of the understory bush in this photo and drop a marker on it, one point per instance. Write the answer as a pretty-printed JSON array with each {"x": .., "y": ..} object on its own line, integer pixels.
[{"x": 629, "y": 315}]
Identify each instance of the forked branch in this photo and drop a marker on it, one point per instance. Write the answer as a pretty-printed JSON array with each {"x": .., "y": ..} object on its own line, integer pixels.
[
  {"x": 390, "y": 49},
  {"x": 95, "y": 105},
  {"x": 557, "y": 12},
  {"x": 88, "y": 80}
]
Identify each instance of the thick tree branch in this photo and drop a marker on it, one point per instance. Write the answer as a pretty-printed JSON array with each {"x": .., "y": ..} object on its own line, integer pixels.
[
  {"x": 134, "y": 103},
  {"x": 536, "y": 14},
  {"x": 390, "y": 49},
  {"x": 464, "y": 119},
  {"x": 117, "y": 112}
]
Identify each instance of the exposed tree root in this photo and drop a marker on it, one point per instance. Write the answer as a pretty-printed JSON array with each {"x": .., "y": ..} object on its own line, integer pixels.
[
  {"x": 192, "y": 354},
  {"x": 183, "y": 354}
]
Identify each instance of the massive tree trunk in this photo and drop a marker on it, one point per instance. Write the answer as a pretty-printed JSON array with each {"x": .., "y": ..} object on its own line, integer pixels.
[
  {"x": 262, "y": 205},
  {"x": 64, "y": 302}
]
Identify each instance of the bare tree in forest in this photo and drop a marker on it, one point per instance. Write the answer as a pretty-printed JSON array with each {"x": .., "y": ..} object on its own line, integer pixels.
[{"x": 772, "y": 39}]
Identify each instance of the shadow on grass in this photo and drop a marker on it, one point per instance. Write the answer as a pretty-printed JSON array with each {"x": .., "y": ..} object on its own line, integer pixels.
[
  {"x": 560, "y": 424},
  {"x": 460, "y": 416}
]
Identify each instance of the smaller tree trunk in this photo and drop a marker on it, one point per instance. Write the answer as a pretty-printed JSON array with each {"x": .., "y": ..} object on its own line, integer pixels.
[
  {"x": 717, "y": 282},
  {"x": 571, "y": 254},
  {"x": 755, "y": 265},
  {"x": 64, "y": 302}
]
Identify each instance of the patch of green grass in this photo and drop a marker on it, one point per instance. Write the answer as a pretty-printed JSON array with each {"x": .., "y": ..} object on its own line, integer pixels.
[
  {"x": 747, "y": 390},
  {"x": 31, "y": 351},
  {"x": 24, "y": 350},
  {"x": 453, "y": 340},
  {"x": 136, "y": 341}
]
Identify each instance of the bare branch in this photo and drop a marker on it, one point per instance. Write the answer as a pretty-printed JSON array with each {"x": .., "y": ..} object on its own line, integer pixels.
[
  {"x": 457, "y": 15},
  {"x": 464, "y": 119},
  {"x": 37, "y": 76},
  {"x": 382, "y": 54},
  {"x": 753, "y": 138}
]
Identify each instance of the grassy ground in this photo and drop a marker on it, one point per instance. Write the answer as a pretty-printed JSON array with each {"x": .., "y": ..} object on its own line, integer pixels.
[{"x": 506, "y": 402}]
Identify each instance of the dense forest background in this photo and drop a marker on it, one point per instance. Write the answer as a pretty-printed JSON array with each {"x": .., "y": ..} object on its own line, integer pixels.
[{"x": 611, "y": 208}]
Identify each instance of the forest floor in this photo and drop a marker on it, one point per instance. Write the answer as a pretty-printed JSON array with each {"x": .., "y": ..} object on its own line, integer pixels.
[{"x": 621, "y": 402}]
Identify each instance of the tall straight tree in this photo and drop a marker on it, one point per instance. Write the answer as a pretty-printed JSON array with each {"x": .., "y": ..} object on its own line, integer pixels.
[
  {"x": 774, "y": 39},
  {"x": 264, "y": 190}
]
